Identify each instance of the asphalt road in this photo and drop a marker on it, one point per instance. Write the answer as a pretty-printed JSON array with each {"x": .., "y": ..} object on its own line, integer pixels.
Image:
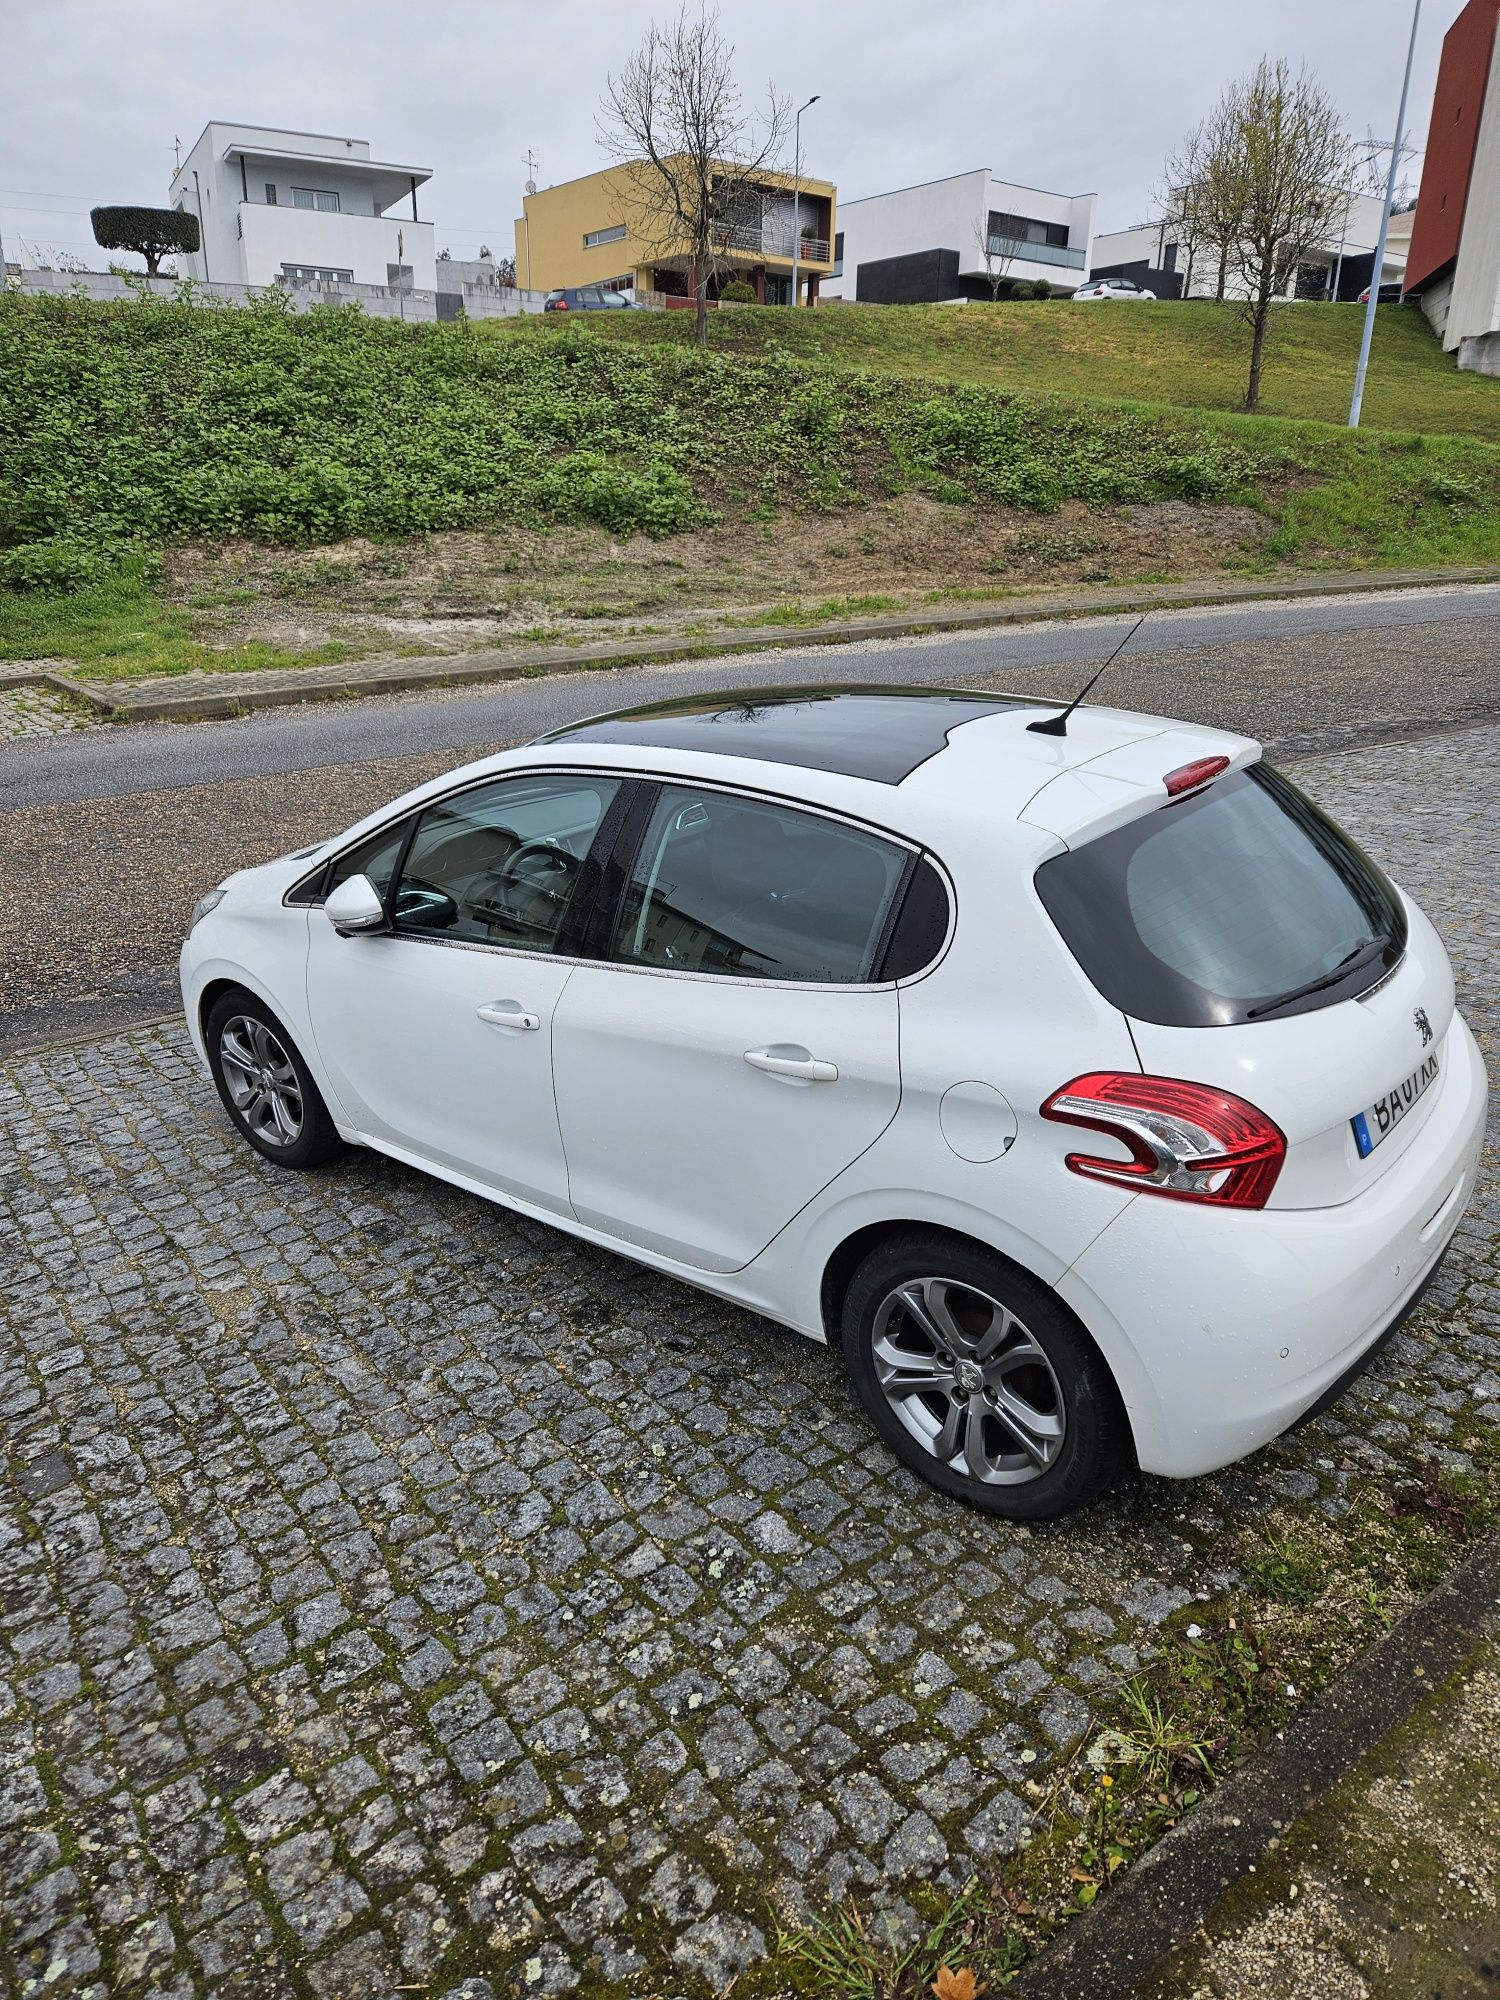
[
  {"x": 1392, "y": 662},
  {"x": 108, "y": 836}
]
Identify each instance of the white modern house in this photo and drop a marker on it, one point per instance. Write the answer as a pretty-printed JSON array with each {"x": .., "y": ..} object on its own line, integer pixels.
[
  {"x": 1151, "y": 256},
  {"x": 945, "y": 240},
  {"x": 302, "y": 208}
]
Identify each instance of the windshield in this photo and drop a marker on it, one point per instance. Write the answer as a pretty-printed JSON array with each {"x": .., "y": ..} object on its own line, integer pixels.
[{"x": 1236, "y": 903}]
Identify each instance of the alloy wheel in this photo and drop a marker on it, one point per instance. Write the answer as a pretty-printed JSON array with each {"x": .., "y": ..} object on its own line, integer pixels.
[
  {"x": 969, "y": 1381},
  {"x": 261, "y": 1080}
]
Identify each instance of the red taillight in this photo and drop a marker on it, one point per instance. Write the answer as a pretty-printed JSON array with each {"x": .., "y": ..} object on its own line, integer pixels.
[
  {"x": 1188, "y": 777},
  {"x": 1184, "y": 1139}
]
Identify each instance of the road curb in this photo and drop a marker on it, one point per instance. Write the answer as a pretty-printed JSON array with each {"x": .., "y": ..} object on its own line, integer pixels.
[
  {"x": 1164, "y": 1898},
  {"x": 227, "y": 695}
]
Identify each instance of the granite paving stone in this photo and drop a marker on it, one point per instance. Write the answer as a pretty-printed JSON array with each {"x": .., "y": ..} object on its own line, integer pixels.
[{"x": 397, "y": 1593}]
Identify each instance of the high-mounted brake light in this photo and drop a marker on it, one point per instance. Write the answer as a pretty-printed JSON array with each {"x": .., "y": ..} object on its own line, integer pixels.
[
  {"x": 1184, "y": 1139},
  {"x": 1188, "y": 777}
]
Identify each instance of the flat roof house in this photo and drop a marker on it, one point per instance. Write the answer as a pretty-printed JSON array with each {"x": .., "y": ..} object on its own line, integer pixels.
[
  {"x": 599, "y": 230},
  {"x": 1151, "y": 256},
  {"x": 279, "y": 207},
  {"x": 929, "y": 242}
]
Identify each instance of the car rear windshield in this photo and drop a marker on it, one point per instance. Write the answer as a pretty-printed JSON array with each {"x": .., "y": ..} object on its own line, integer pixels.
[{"x": 1234, "y": 903}]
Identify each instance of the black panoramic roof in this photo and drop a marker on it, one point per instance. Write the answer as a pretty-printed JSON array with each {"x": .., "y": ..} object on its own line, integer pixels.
[{"x": 877, "y": 732}]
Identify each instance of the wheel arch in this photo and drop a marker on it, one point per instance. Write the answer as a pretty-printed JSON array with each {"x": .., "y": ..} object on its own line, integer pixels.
[{"x": 848, "y": 1255}]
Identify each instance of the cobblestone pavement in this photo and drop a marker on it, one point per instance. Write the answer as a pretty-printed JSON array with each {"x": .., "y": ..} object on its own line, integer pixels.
[
  {"x": 36, "y": 711},
  {"x": 398, "y": 1594}
]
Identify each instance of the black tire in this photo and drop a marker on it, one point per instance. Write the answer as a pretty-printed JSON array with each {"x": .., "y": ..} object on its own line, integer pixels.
[
  {"x": 262, "y": 1035},
  {"x": 1036, "y": 1359}
]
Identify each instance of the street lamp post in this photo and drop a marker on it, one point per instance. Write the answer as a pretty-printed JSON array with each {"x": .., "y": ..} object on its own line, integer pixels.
[
  {"x": 1357, "y": 399},
  {"x": 797, "y": 189}
]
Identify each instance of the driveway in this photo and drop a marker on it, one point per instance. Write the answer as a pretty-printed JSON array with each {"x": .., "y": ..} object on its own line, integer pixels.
[{"x": 396, "y": 1592}]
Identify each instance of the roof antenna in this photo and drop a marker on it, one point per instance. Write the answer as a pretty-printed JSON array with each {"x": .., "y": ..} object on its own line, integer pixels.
[{"x": 1057, "y": 725}]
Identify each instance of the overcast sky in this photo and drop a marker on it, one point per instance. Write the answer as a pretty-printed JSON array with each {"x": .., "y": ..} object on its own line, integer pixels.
[{"x": 1071, "y": 95}]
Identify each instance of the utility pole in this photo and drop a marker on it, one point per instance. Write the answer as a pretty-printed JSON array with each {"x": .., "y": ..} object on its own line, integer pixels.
[
  {"x": 531, "y": 165},
  {"x": 401, "y": 272},
  {"x": 797, "y": 191},
  {"x": 1357, "y": 399}
]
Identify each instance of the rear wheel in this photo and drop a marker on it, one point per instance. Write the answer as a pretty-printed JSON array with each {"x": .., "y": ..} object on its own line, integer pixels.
[
  {"x": 979, "y": 1378},
  {"x": 264, "y": 1084}
]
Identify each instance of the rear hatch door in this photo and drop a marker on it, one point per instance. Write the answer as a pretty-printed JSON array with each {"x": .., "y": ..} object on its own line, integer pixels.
[{"x": 1255, "y": 948}]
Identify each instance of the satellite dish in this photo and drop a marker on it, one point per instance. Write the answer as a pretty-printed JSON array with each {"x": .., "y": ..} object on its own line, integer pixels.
[{"x": 531, "y": 187}]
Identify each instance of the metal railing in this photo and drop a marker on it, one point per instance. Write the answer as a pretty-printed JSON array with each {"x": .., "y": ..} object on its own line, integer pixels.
[{"x": 757, "y": 242}]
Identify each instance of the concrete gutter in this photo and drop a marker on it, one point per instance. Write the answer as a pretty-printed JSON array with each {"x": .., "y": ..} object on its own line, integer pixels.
[
  {"x": 1163, "y": 1899},
  {"x": 199, "y": 696}
]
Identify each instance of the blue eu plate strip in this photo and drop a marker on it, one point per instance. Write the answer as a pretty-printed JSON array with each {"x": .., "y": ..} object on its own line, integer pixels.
[{"x": 1362, "y": 1137}]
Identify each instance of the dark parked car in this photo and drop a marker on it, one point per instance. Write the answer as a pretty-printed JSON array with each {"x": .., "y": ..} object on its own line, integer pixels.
[{"x": 587, "y": 298}]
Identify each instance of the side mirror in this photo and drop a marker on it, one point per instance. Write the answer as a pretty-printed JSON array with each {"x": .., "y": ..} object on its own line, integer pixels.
[{"x": 355, "y": 905}]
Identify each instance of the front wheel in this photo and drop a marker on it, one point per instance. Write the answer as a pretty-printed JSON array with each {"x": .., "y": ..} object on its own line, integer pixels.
[
  {"x": 979, "y": 1378},
  {"x": 264, "y": 1084}
]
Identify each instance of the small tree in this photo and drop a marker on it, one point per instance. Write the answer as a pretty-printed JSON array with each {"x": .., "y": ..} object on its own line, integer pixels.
[
  {"x": 999, "y": 253},
  {"x": 1279, "y": 149},
  {"x": 150, "y": 232},
  {"x": 693, "y": 160}
]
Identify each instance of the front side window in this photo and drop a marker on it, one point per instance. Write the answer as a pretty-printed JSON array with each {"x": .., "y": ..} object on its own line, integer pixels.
[
  {"x": 498, "y": 864},
  {"x": 756, "y": 891},
  {"x": 322, "y": 198},
  {"x": 1239, "y": 902}
]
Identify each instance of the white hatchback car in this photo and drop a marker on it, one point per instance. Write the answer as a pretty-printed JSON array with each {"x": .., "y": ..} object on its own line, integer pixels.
[
  {"x": 1092, "y": 1089},
  {"x": 1114, "y": 288}
]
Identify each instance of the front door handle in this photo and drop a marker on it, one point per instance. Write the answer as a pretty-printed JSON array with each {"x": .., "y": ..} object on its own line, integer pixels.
[
  {"x": 507, "y": 1014},
  {"x": 790, "y": 1059}
]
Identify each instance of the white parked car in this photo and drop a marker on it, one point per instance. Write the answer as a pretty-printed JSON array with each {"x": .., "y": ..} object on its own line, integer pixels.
[
  {"x": 1112, "y": 288},
  {"x": 1093, "y": 1090}
]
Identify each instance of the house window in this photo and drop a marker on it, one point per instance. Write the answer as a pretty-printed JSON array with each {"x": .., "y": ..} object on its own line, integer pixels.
[
  {"x": 270, "y": 194},
  {"x": 324, "y": 198},
  {"x": 398, "y": 277},
  {"x": 1027, "y": 229},
  {"x": 594, "y": 237},
  {"x": 315, "y": 274},
  {"x": 838, "y": 255}
]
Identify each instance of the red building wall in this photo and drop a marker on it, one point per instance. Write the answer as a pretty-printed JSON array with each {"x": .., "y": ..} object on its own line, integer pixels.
[{"x": 1462, "y": 77}]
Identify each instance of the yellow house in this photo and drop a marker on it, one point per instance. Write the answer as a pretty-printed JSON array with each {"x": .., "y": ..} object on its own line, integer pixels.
[{"x": 601, "y": 230}]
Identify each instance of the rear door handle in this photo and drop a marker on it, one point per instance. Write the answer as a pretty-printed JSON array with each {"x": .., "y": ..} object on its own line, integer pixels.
[
  {"x": 787, "y": 1059},
  {"x": 507, "y": 1014}
]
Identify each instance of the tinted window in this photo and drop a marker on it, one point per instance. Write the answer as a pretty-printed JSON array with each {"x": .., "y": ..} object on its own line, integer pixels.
[
  {"x": 921, "y": 926},
  {"x": 497, "y": 865},
  {"x": 1221, "y": 907},
  {"x": 726, "y": 884}
]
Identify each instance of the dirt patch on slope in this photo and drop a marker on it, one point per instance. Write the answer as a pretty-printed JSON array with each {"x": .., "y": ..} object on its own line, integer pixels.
[{"x": 450, "y": 591}]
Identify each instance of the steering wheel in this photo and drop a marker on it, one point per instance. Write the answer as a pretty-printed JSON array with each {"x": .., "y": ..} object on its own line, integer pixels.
[{"x": 531, "y": 887}]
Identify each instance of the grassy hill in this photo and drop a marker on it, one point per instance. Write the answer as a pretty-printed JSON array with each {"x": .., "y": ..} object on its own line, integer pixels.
[
  {"x": 1194, "y": 354},
  {"x": 145, "y": 430}
]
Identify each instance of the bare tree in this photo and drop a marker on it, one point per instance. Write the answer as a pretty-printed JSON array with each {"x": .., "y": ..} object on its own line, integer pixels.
[
  {"x": 1203, "y": 198},
  {"x": 999, "y": 253},
  {"x": 692, "y": 159},
  {"x": 1290, "y": 150}
]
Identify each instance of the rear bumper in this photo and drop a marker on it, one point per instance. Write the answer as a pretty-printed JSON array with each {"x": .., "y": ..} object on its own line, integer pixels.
[{"x": 1225, "y": 1329}]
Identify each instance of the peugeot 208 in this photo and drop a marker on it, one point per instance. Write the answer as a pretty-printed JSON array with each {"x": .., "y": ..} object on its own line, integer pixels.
[{"x": 1092, "y": 1089}]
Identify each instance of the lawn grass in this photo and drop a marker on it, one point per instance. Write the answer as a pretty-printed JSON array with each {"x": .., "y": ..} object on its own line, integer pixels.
[
  {"x": 120, "y": 629},
  {"x": 1194, "y": 354}
]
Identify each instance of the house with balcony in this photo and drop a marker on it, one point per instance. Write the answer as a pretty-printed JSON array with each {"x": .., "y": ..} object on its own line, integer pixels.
[
  {"x": 959, "y": 238},
  {"x": 302, "y": 209},
  {"x": 1338, "y": 265},
  {"x": 602, "y": 230}
]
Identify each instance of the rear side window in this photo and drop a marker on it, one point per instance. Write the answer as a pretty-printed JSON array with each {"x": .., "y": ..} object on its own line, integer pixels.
[
  {"x": 1241, "y": 901},
  {"x": 756, "y": 891}
]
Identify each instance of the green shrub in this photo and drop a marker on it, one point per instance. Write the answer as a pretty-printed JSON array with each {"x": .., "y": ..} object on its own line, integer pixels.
[{"x": 738, "y": 292}]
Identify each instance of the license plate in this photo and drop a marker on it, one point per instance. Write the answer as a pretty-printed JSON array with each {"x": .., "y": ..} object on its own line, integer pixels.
[{"x": 1386, "y": 1113}]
